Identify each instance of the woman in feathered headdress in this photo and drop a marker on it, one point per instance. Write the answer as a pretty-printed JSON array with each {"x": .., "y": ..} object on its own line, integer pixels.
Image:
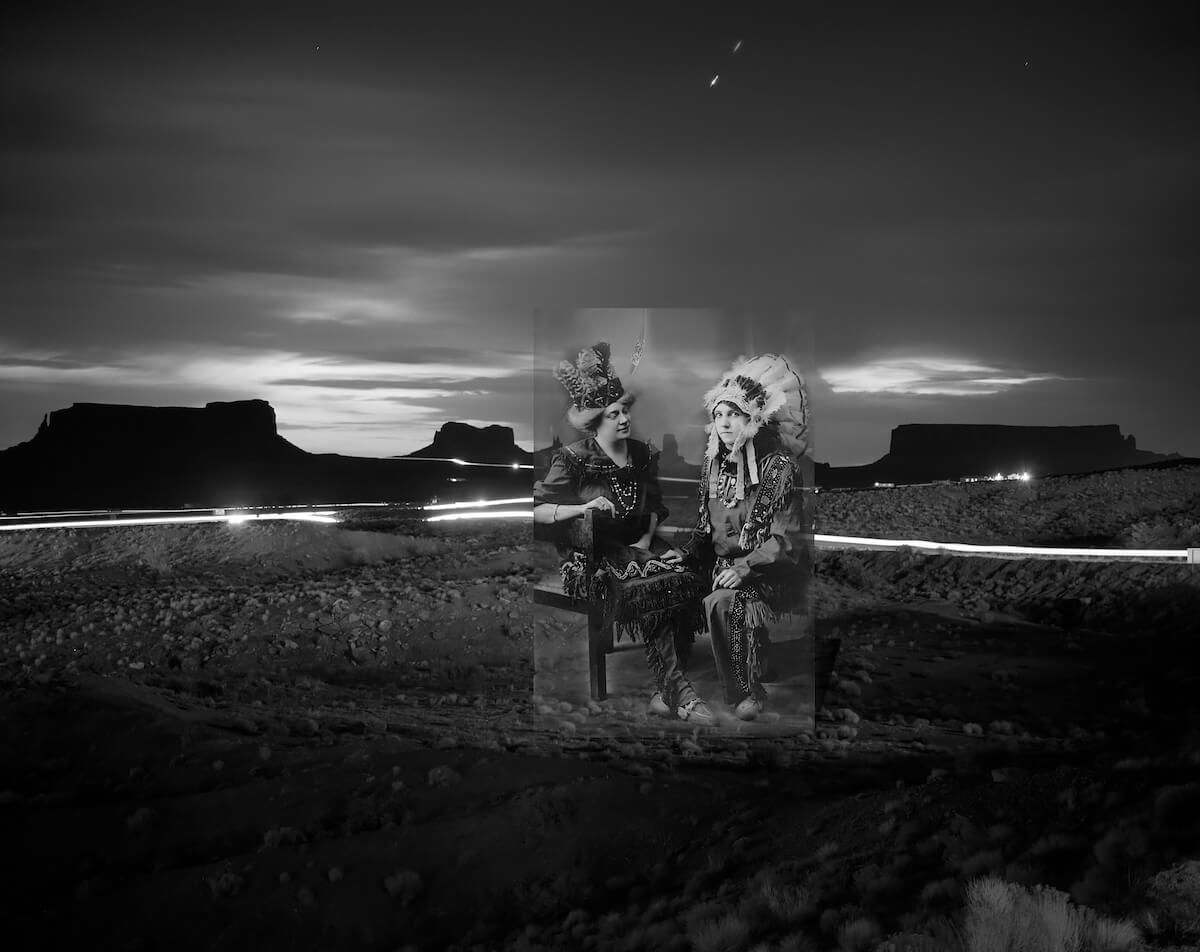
[
  {"x": 646, "y": 592},
  {"x": 751, "y": 519}
]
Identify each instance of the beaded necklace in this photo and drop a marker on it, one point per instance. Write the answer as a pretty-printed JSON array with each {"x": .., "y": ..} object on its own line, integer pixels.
[
  {"x": 727, "y": 482},
  {"x": 623, "y": 483}
]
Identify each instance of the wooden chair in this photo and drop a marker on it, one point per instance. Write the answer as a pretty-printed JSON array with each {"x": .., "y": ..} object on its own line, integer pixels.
[{"x": 580, "y": 534}]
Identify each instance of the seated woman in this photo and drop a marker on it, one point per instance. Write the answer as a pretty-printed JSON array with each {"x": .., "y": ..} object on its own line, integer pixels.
[
  {"x": 645, "y": 590},
  {"x": 751, "y": 518}
]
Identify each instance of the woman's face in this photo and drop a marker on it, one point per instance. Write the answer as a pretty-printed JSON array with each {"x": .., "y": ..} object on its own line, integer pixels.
[
  {"x": 729, "y": 422},
  {"x": 614, "y": 424}
]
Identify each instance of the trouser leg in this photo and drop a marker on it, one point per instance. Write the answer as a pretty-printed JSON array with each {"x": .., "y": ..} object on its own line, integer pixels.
[{"x": 728, "y": 643}]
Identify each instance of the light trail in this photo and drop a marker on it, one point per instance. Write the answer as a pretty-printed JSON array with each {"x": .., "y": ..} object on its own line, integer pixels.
[
  {"x": 480, "y": 503},
  {"x": 502, "y": 514},
  {"x": 479, "y": 509},
  {"x": 460, "y": 462},
  {"x": 233, "y": 519},
  {"x": 1007, "y": 551}
]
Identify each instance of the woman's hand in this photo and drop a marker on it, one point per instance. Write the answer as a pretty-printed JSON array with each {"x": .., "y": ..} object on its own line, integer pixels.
[
  {"x": 672, "y": 556},
  {"x": 731, "y": 577},
  {"x": 602, "y": 503}
]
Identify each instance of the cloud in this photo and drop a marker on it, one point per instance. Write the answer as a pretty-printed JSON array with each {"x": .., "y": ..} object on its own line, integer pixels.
[{"x": 927, "y": 376}]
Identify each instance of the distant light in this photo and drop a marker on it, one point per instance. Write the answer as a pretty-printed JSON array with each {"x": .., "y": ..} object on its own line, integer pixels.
[
  {"x": 714, "y": 81},
  {"x": 516, "y": 465},
  {"x": 460, "y": 462},
  {"x": 998, "y": 477},
  {"x": 503, "y": 514}
]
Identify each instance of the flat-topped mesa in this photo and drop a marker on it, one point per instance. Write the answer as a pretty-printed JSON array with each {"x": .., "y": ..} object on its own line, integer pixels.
[
  {"x": 671, "y": 462},
  {"x": 489, "y": 444},
  {"x": 236, "y": 429},
  {"x": 946, "y": 450}
]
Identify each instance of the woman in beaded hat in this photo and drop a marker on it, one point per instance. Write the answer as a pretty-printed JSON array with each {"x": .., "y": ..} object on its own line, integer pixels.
[
  {"x": 751, "y": 517},
  {"x": 646, "y": 593}
]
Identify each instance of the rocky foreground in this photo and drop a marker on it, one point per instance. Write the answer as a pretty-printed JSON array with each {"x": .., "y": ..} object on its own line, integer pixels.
[{"x": 307, "y": 737}]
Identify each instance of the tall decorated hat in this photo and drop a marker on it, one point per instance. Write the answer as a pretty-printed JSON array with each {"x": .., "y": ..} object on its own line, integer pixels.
[
  {"x": 592, "y": 384},
  {"x": 771, "y": 394}
]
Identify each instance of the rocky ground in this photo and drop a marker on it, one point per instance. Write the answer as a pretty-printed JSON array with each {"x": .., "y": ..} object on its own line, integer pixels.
[{"x": 298, "y": 736}]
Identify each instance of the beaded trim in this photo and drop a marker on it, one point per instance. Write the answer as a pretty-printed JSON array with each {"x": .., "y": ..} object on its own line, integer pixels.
[
  {"x": 652, "y": 567},
  {"x": 774, "y": 493}
]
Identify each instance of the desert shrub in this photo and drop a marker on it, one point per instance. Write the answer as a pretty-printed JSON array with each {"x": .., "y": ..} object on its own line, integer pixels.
[
  {"x": 730, "y": 933},
  {"x": 789, "y": 904},
  {"x": 1113, "y": 935},
  {"x": 702, "y": 913},
  {"x": 796, "y": 942},
  {"x": 1003, "y": 917},
  {"x": 1163, "y": 532},
  {"x": 858, "y": 935},
  {"x": 1175, "y": 895}
]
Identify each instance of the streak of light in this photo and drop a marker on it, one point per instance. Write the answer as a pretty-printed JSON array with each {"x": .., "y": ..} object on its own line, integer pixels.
[
  {"x": 460, "y": 462},
  {"x": 502, "y": 514},
  {"x": 714, "y": 81},
  {"x": 478, "y": 504},
  {"x": 231, "y": 519},
  {"x": 195, "y": 512},
  {"x": 966, "y": 548}
]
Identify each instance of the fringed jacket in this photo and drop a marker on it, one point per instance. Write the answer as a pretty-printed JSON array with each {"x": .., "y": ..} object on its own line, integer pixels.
[
  {"x": 764, "y": 532},
  {"x": 581, "y": 471}
]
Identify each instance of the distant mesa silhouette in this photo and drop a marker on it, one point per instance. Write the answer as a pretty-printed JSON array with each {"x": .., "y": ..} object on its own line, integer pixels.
[
  {"x": 928, "y": 452},
  {"x": 107, "y": 456},
  {"x": 489, "y": 444}
]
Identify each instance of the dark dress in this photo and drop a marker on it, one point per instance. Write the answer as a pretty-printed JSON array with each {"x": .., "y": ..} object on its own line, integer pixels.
[{"x": 643, "y": 597}]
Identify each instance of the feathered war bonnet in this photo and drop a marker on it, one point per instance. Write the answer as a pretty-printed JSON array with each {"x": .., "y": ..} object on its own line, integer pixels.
[
  {"x": 591, "y": 384},
  {"x": 772, "y": 395}
]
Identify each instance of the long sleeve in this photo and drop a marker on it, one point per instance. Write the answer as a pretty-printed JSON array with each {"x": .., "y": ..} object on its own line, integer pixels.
[
  {"x": 561, "y": 485},
  {"x": 786, "y": 507}
]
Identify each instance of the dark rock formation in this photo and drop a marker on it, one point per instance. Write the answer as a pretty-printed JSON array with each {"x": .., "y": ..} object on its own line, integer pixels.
[
  {"x": 100, "y": 456},
  {"x": 241, "y": 429},
  {"x": 671, "y": 463},
  {"x": 489, "y": 444},
  {"x": 926, "y": 452}
]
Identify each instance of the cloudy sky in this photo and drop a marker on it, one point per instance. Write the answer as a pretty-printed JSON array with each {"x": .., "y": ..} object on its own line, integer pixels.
[{"x": 354, "y": 210}]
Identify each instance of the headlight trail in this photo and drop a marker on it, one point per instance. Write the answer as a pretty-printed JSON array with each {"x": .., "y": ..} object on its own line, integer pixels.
[
  {"x": 478, "y": 503},
  {"x": 1003, "y": 551},
  {"x": 501, "y": 514},
  {"x": 233, "y": 519}
]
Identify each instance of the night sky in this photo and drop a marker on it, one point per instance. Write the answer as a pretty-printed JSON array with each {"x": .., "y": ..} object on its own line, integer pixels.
[{"x": 979, "y": 214}]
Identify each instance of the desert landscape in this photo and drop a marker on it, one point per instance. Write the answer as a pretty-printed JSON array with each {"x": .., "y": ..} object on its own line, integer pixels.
[{"x": 299, "y": 736}]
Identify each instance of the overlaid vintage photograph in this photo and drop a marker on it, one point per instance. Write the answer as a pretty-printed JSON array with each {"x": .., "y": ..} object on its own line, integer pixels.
[{"x": 682, "y": 596}]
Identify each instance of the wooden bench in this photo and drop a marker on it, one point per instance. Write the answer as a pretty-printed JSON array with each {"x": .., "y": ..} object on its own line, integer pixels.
[{"x": 580, "y": 534}]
